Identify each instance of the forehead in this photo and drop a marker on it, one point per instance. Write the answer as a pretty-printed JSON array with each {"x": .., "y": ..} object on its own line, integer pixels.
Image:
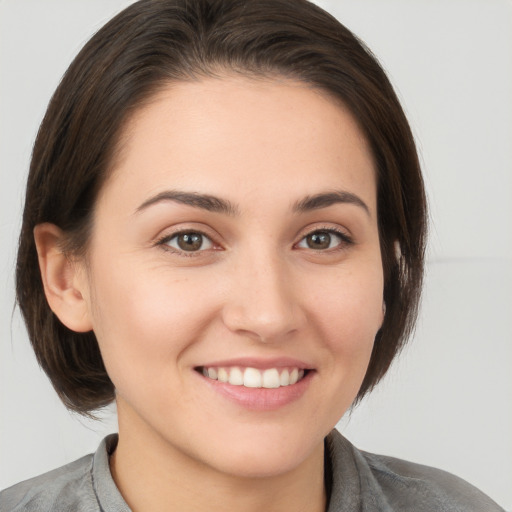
[{"x": 213, "y": 133}]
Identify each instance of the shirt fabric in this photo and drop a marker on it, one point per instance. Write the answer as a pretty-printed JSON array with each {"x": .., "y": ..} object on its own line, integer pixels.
[{"x": 356, "y": 481}]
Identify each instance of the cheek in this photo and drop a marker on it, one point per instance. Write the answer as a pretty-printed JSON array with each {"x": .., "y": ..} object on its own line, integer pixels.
[
  {"x": 144, "y": 319},
  {"x": 349, "y": 312}
]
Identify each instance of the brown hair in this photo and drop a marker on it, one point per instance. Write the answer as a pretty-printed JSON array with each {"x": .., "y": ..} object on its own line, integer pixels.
[{"x": 154, "y": 42}]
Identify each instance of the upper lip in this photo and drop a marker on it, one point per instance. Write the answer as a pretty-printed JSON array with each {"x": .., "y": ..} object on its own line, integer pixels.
[{"x": 260, "y": 363}]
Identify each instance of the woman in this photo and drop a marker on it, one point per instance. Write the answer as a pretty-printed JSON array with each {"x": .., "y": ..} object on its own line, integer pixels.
[{"x": 224, "y": 232}]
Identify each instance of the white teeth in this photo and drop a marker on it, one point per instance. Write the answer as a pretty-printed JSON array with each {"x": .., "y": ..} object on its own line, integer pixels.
[
  {"x": 236, "y": 377},
  {"x": 252, "y": 378},
  {"x": 222, "y": 375},
  {"x": 270, "y": 378}
]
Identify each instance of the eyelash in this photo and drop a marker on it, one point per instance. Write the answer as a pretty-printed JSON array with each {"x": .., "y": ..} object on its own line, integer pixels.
[
  {"x": 162, "y": 242},
  {"x": 345, "y": 241}
]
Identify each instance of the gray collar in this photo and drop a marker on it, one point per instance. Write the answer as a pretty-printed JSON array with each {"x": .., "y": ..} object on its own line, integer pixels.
[{"x": 107, "y": 493}]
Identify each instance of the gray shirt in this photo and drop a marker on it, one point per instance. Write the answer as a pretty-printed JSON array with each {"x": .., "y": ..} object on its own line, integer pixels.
[{"x": 356, "y": 482}]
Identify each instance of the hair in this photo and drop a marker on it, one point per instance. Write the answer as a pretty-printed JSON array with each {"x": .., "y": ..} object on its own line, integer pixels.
[{"x": 156, "y": 42}]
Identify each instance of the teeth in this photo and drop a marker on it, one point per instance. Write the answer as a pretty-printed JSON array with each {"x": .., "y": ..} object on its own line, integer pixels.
[
  {"x": 270, "y": 378},
  {"x": 284, "y": 379},
  {"x": 236, "y": 377},
  {"x": 252, "y": 378},
  {"x": 222, "y": 375}
]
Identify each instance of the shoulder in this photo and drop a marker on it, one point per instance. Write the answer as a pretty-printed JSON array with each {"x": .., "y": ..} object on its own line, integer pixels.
[
  {"x": 394, "y": 485},
  {"x": 419, "y": 487},
  {"x": 66, "y": 488}
]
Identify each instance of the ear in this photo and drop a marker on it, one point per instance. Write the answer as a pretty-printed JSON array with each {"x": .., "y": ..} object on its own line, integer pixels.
[{"x": 64, "y": 281}]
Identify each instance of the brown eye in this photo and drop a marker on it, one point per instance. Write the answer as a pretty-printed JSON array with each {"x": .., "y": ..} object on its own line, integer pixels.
[
  {"x": 189, "y": 241},
  {"x": 323, "y": 239},
  {"x": 319, "y": 240}
]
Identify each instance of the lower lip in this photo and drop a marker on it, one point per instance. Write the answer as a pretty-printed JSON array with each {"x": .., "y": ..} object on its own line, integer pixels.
[{"x": 261, "y": 399}]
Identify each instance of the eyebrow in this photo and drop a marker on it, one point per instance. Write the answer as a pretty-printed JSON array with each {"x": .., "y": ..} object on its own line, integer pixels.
[
  {"x": 325, "y": 199},
  {"x": 203, "y": 201},
  {"x": 219, "y": 205}
]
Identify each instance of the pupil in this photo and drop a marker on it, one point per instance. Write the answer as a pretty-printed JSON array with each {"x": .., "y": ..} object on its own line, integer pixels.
[
  {"x": 190, "y": 241},
  {"x": 319, "y": 241}
]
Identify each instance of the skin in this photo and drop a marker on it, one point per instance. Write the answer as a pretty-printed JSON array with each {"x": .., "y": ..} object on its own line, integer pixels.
[{"x": 258, "y": 290}]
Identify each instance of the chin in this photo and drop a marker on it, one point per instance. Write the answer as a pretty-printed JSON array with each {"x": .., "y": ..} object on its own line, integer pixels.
[
  {"x": 264, "y": 455},
  {"x": 262, "y": 465}
]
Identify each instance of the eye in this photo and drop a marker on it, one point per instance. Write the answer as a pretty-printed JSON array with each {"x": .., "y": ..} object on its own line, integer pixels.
[
  {"x": 188, "y": 241},
  {"x": 324, "y": 239}
]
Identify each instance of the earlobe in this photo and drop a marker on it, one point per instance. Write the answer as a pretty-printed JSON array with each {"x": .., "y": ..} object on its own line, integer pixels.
[{"x": 63, "y": 280}]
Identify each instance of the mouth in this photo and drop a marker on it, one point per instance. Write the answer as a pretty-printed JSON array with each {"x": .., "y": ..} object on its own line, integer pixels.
[{"x": 249, "y": 377}]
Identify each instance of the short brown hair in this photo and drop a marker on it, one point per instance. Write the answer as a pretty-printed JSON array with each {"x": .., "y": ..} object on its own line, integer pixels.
[{"x": 155, "y": 42}]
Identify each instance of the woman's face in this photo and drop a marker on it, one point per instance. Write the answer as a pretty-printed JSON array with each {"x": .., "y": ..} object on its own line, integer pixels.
[{"x": 237, "y": 237}]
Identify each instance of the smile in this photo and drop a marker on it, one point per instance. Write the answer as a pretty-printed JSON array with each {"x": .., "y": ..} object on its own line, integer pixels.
[{"x": 270, "y": 378}]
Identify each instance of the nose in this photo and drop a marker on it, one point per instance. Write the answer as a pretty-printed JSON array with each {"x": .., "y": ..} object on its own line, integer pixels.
[{"x": 262, "y": 301}]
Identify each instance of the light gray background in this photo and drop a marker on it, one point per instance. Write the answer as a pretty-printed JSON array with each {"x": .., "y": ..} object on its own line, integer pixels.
[{"x": 448, "y": 401}]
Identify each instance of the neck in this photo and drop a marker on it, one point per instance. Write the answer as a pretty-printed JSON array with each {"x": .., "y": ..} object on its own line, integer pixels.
[{"x": 152, "y": 475}]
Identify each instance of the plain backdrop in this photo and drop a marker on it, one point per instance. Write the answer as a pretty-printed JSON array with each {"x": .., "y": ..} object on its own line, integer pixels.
[{"x": 448, "y": 401}]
